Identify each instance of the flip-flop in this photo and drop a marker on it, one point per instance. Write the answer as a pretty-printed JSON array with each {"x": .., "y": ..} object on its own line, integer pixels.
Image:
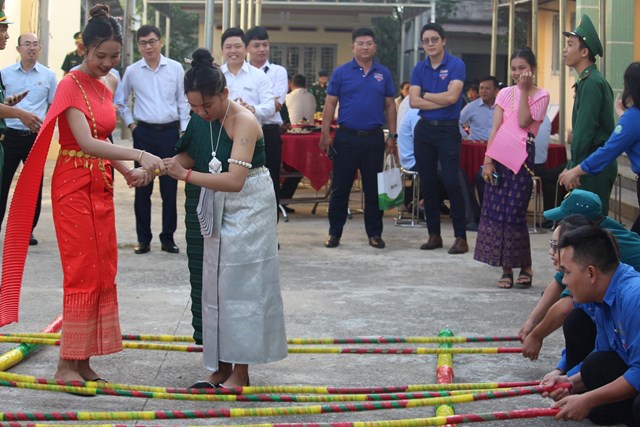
[
  {"x": 203, "y": 384},
  {"x": 102, "y": 380},
  {"x": 506, "y": 281},
  {"x": 525, "y": 280}
]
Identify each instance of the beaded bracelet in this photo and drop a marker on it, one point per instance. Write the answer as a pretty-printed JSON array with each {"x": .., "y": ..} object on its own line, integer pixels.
[
  {"x": 140, "y": 156},
  {"x": 240, "y": 163},
  {"x": 186, "y": 177}
]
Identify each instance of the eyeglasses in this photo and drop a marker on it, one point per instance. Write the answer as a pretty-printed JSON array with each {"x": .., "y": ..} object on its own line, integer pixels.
[
  {"x": 144, "y": 43},
  {"x": 553, "y": 245},
  {"x": 430, "y": 40},
  {"x": 30, "y": 44}
]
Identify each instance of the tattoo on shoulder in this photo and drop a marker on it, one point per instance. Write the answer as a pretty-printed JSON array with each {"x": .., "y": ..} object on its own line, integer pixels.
[{"x": 244, "y": 141}]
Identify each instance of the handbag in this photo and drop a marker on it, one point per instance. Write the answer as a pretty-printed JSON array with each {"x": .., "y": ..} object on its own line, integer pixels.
[{"x": 390, "y": 187}]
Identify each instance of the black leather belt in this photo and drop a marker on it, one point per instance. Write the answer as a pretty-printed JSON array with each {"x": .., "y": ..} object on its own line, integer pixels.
[
  {"x": 159, "y": 126},
  {"x": 441, "y": 122},
  {"x": 361, "y": 133},
  {"x": 19, "y": 132}
]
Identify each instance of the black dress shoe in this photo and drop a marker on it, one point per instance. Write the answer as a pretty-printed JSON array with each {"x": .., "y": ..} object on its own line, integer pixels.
[
  {"x": 332, "y": 241},
  {"x": 376, "y": 242},
  {"x": 32, "y": 240},
  {"x": 141, "y": 248},
  {"x": 170, "y": 247}
]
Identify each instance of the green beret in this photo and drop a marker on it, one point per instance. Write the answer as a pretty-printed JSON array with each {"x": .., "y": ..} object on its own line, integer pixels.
[{"x": 587, "y": 32}]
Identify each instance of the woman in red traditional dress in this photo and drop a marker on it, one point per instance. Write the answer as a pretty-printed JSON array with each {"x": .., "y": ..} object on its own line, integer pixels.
[{"x": 82, "y": 202}]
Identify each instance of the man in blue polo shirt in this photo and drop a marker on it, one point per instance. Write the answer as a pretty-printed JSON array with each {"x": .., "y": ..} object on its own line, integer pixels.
[
  {"x": 366, "y": 91},
  {"x": 436, "y": 89},
  {"x": 606, "y": 388}
]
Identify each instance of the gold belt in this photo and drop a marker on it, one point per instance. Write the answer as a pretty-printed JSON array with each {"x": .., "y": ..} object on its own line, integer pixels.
[{"x": 86, "y": 160}]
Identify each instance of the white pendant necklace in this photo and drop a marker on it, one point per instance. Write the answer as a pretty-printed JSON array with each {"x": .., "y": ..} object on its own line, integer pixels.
[{"x": 215, "y": 165}]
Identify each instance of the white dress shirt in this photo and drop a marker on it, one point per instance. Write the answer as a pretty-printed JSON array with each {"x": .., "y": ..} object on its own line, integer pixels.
[
  {"x": 39, "y": 81},
  {"x": 280, "y": 86},
  {"x": 159, "y": 93},
  {"x": 300, "y": 103},
  {"x": 253, "y": 87}
]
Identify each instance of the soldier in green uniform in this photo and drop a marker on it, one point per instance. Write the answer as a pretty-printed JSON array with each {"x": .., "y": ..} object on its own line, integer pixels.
[
  {"x": 7, "y": 109},
  {"x": 592, "y": 118},
  {"x": 319, "y": 90},
  {"x": 75, "y": 57}
]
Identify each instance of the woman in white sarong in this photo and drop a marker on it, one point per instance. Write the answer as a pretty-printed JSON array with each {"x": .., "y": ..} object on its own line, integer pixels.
[{"x": 223, "y": 152}]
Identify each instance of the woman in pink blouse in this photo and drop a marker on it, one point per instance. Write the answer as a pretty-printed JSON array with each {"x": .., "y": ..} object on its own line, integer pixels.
[{"x": 503, "y": 236}]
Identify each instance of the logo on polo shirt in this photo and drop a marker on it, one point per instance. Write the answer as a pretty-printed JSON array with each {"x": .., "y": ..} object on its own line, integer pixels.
[
  {"x": 444, "y": 74},
  {"x": 378, "y": 76}
]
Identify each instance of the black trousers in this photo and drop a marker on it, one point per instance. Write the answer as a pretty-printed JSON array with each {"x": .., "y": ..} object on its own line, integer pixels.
[
  {"x": 162, "y": 143},
  {"x": 433, "y": 144},
  {"x": 599, "y": 369},
  {"x": 351, "y": 153},
  {"x": 579, "y": 336},
  {"x": 16, "y": 145},
  {"x": 273, "y": 151},
  {"x": 636, "y": 224}
]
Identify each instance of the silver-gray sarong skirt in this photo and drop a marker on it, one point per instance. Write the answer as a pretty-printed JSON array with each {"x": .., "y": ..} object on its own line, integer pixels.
[{"x": 243, "y": 319}]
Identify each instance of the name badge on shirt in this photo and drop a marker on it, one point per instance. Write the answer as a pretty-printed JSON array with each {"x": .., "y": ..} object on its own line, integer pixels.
[
  {"x": 378, "y": 76},
  {"x": 444, "y": 74}
]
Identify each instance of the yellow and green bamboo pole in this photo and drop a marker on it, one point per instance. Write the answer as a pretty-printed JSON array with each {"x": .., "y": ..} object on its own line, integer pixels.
[{"x": 17, "y": 354}]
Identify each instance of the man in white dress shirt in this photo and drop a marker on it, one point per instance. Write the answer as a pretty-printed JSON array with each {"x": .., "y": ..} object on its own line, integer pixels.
[
  {"x": 257, "y": 40},
  {"x": 40, "y": 82},
  {"x": 300, "y": 103},
  {"x": 161, "y": 111}
]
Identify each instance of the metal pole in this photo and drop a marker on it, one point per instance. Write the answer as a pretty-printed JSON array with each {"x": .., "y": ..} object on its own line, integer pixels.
[
  {"x": 129, "y": 33},
  {"x": 250, "y": 7},
  {"x": 233, "y": 14},
  {"x": 157, "y": 19},
  {"x": 243, "y": 14},
  {"x": 512, "y": 18},
  {"x": 563, "y": 75},
  {"x": 433, "y": 10},
  {"x": 43, "y": 31},
  {"x": 225, "y": 16},
  {"x": 258, "y": 12},
  {"x": 208, "y": 24},
  {"x": 145, "y": 8},
  {"x": 416, "y": 39},
  {"x": 494, "y": 37},
  {"x": 167, "y": 29},
  {"x": 403, "y": 47},
  {"x": 534, "y": 26}
]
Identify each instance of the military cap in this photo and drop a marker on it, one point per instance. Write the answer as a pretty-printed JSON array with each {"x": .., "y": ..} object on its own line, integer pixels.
[
  {"x": 323, "y": 73},
  {"x": 587, "y": 32},
  {"x": 3, "y": 17},
  {"x": 78, "y": 36}
]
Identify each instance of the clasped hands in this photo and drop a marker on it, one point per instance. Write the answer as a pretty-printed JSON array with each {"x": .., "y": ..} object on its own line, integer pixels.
[{"x": 150, "y": 167}]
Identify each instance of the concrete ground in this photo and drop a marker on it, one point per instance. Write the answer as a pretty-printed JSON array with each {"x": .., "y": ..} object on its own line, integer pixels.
[{"x": 352, "y": 290}]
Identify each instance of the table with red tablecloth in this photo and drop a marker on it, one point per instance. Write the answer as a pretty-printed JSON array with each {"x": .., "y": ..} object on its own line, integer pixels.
[
  {"x": 302, "y": 152},
  {"x": 472, "y": 156}
]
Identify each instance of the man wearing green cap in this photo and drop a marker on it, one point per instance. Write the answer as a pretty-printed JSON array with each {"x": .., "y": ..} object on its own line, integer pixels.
[
  {"x": 7, "y": 109},
  {"x": 75, "y": 57},
  {"x": 592, "y": 118}
]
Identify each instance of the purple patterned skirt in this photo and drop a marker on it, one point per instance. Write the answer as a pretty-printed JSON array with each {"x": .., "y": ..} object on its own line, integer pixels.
[{"x": 503, "y": 235}]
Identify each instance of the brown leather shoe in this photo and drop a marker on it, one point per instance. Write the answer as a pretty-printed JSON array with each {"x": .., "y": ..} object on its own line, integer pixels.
[
  {"x": 331, "y": 242},
  {"x": 434, "y": 242},
  {"x": 460, "y": 246}
]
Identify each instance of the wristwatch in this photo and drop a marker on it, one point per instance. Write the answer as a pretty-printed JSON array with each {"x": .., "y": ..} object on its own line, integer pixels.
[{"x": 393, "y": 135}]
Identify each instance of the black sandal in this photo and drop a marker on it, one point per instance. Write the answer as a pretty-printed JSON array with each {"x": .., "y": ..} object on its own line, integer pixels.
[
  {"x": 506, "y": 281},
  {"x": 525, "y": 280}
]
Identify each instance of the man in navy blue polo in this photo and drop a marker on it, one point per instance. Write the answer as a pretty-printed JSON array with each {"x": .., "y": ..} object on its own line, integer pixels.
[
  {"x": 436, "y": 88},
  {"x": 366, "y": 91}
]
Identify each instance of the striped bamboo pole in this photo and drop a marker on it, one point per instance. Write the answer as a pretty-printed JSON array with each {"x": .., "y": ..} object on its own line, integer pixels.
[
  {"x": 275, "y": 389},
  {"x": 321, "y": 350},
  {"x": 267, "y": 412},
  {"x": 17, "y": 354},
  {"x": 199, "y": 395},
  {"x": 444, "y": 374},
  {"x": 416, "y": 422},
  {"x": 303, "y": 341}
]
